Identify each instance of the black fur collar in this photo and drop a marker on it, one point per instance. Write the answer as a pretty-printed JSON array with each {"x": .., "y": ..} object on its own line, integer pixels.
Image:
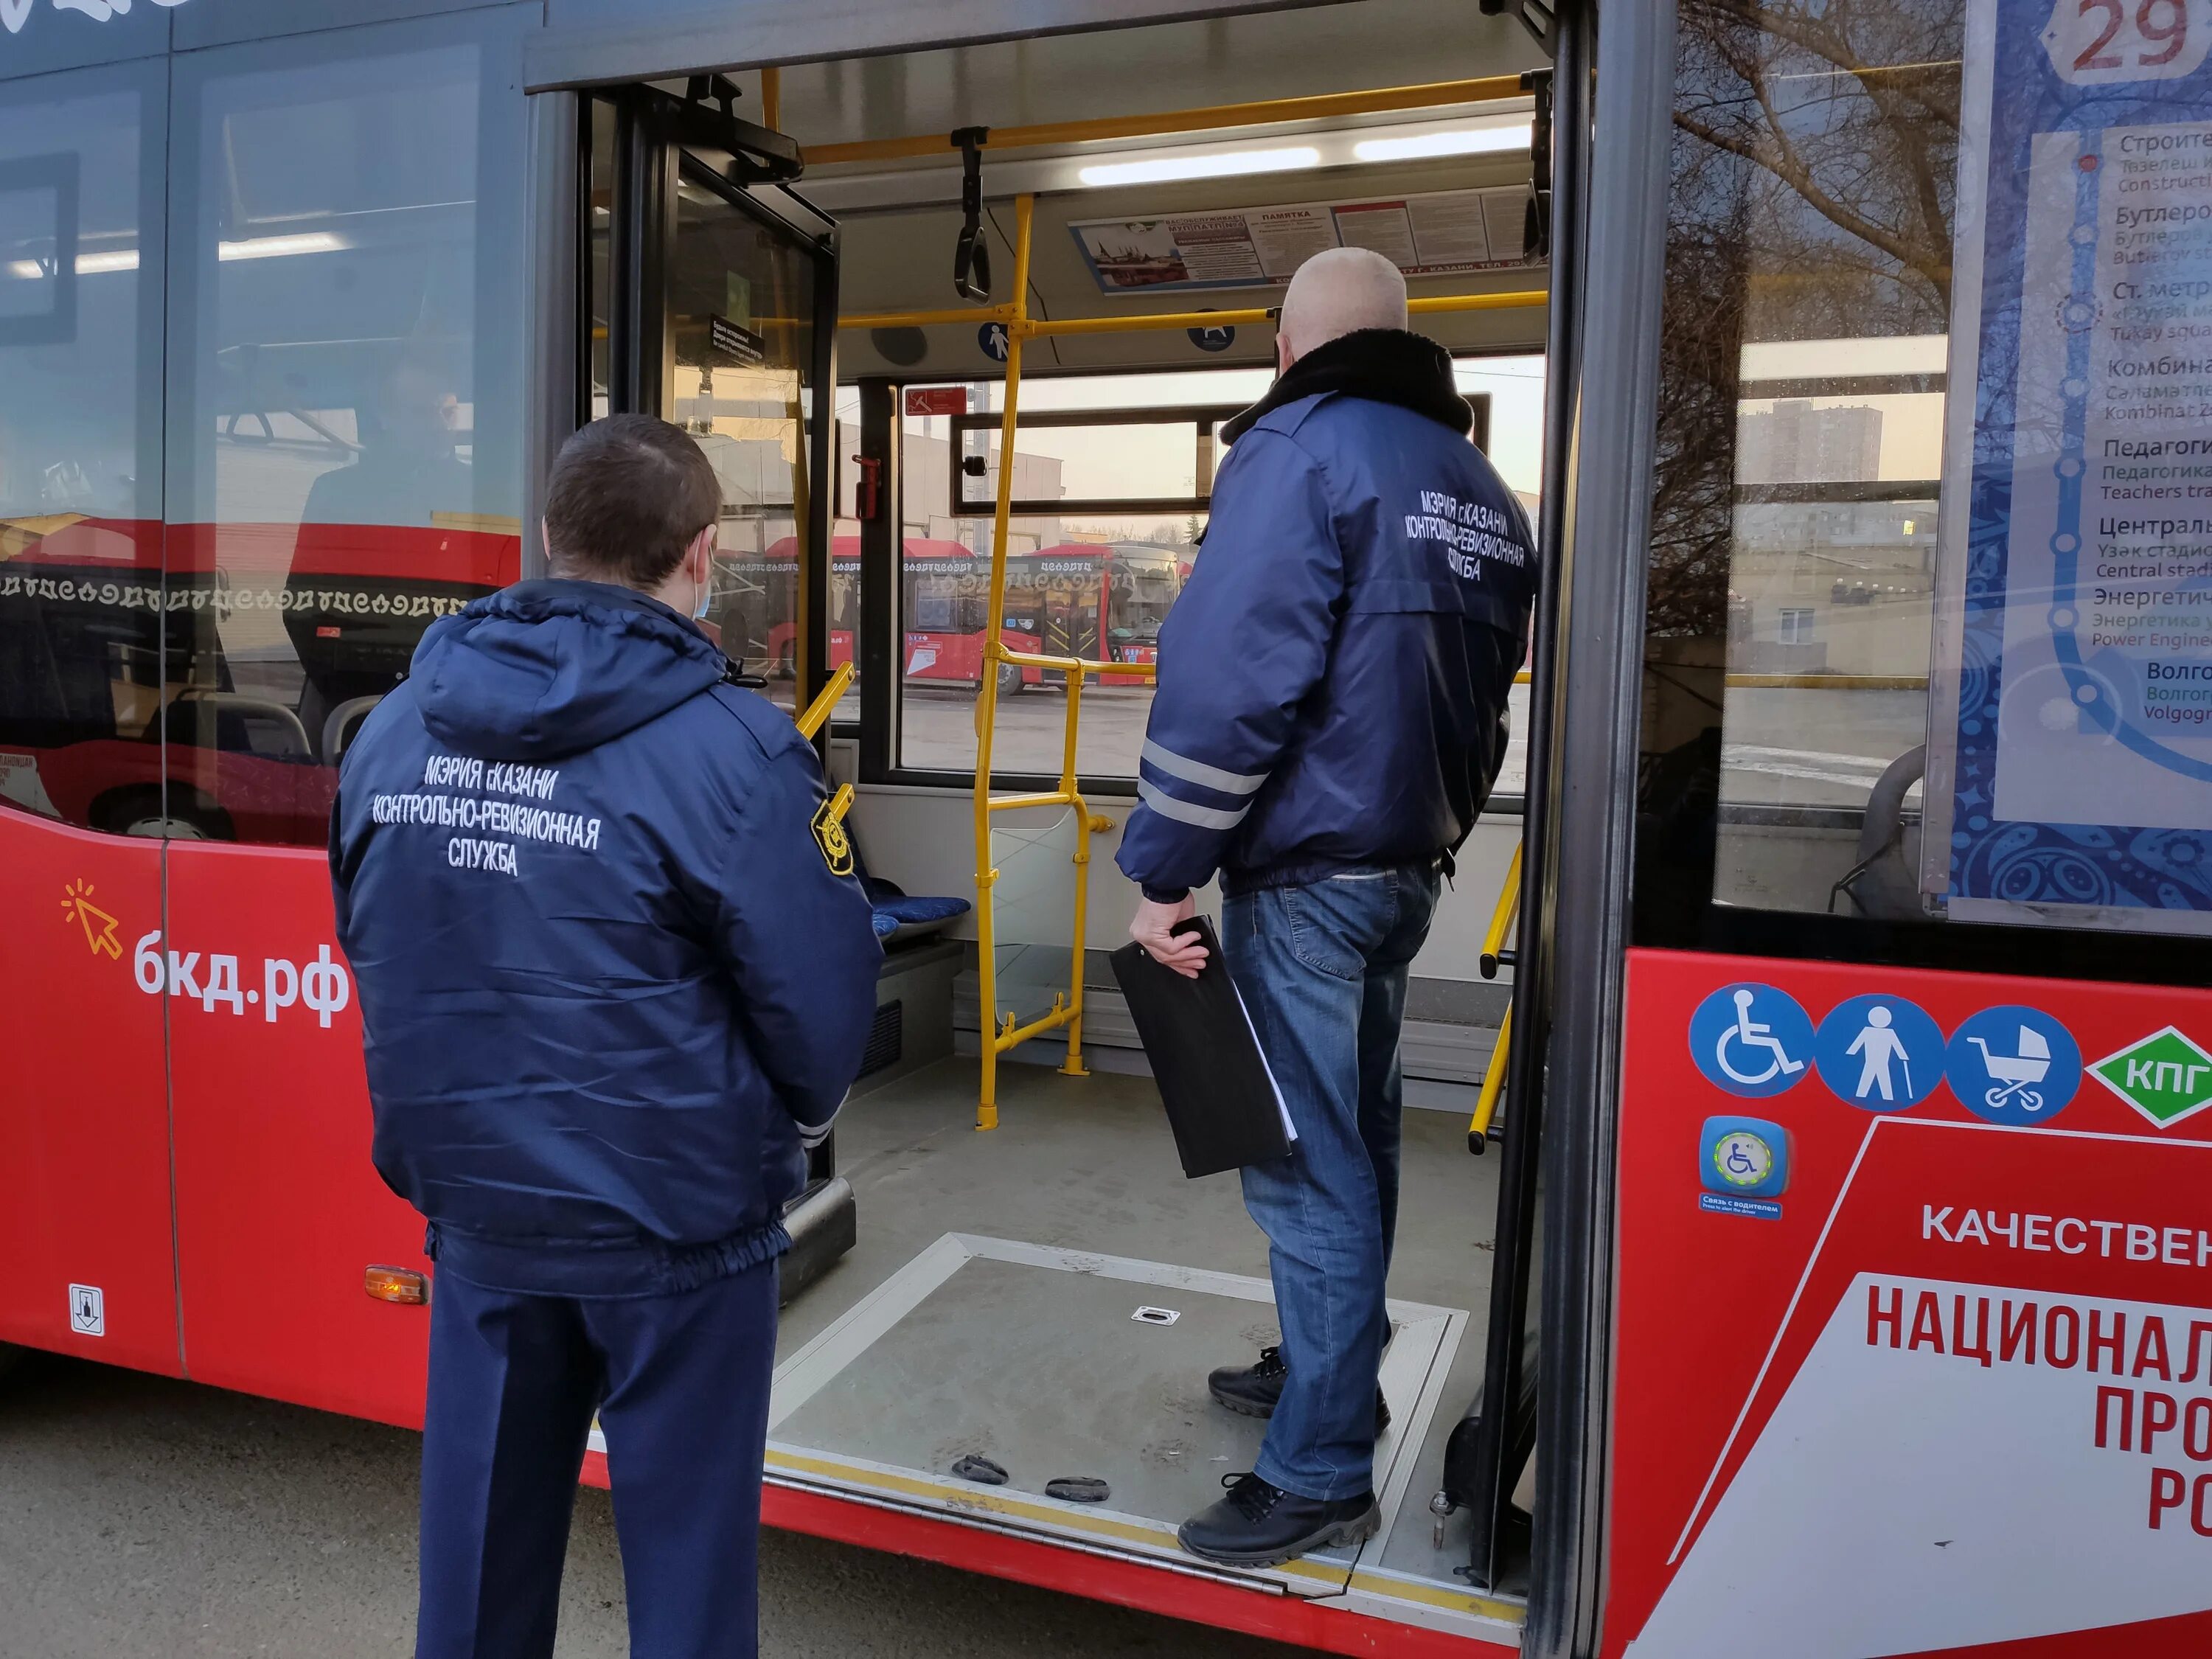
[{"x": 1388, "y": 365}]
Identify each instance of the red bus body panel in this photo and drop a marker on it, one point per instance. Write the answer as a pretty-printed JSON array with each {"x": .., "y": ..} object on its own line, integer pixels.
[
  {"x": 1915, "y": 1486},
  {"x": 84, "y": 1181},
  {"x": 278, "y": 1209}
]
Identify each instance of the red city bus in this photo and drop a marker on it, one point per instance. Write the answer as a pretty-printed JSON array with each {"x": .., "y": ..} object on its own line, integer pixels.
[
  {"x": 1833, "y": 1279},
  {"x": 1101, "y": 602}
]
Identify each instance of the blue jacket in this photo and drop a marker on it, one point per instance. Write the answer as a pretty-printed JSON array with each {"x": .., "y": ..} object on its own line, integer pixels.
[
  {"x": 612, "y": 959},
  {"x": 1333, "y": 680}
]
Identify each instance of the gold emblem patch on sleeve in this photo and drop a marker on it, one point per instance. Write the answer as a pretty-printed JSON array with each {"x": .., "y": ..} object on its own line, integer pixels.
[{"x": 829, "y": 835}]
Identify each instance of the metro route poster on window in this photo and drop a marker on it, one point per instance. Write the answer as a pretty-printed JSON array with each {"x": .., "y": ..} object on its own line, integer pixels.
[{"x": 2069, "y": 767}]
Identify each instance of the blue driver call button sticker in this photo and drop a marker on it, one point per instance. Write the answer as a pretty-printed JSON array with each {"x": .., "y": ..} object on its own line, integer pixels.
[{"x": 1743, "y": 1166}]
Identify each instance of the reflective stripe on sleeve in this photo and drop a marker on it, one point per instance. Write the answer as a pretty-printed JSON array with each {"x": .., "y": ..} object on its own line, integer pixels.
[
  {"x": 1205, "y": 818},
  {"x": 1175, "y": 765}
]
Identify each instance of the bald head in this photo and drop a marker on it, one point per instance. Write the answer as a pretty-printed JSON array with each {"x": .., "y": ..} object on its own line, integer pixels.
[{"x": 1335, "y": 293}]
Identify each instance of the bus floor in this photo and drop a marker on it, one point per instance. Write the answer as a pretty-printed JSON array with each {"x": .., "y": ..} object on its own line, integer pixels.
[{"x": 990, "y": 1308}]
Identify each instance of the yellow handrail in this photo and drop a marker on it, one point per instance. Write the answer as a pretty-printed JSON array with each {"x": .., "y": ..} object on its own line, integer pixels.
[
  {"x": 818, "y": 712},
  {"x": 1502, "y": 916},
  {"x": 987, "y": 699},
  {"x": 1077, "y": 664},
  {"x": 1271, "y": 112},
  {"x": 1493, "y": 1085},
  {"x": 1019, "y": 324}
]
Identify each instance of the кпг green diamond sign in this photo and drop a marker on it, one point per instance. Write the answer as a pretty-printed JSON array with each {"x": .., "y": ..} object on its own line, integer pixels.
[{"x": 2166, "y": 1077}]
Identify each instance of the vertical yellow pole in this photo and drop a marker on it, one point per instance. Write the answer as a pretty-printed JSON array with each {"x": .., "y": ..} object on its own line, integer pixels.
[
  {"x": 772, "y": 100},
  {"x": 986, "y": 696},
  {"x": 1072, "y": 1065}
]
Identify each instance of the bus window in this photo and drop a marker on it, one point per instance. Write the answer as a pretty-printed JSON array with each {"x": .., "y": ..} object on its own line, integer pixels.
[
  {"x": 1794, "y": 534},
  {"x": 345, "y": 470},
  {"x": 1112, "y": 473},
  {"x": 80, "y": 447},
  {"x": 1888, "y": 678}
]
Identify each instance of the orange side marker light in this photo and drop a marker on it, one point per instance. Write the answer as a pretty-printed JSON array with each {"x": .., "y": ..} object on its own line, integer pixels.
[{"x": 398, "y": 1285}]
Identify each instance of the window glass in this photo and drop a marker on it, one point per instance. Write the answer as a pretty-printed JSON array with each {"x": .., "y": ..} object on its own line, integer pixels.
[
  {"x": 1801, "y": 442},
  {"x": 347, "y": 371},
  {"x": 1095, "y": 579},
  {"x": 80, "y": 445},
  {"x": 741, "y": 326}
]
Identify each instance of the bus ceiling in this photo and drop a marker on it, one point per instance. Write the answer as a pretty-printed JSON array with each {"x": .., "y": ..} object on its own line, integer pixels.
[{"x": 1297, "y": 116}]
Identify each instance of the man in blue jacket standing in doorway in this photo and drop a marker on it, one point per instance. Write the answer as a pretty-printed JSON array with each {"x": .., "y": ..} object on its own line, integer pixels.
[
  {"x": 615, "y": 977},
  {"x": 1330, "y": 717}
]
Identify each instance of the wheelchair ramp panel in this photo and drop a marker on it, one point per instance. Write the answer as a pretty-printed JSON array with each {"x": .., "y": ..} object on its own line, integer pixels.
[{"x": 1055, "y": 1364}]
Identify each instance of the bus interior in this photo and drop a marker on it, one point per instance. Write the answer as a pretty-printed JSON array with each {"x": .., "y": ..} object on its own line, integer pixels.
[{"x": 1034, "y": 1285}]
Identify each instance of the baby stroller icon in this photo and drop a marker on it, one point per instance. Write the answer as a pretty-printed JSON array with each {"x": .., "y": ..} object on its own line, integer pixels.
[{"x": 2012, "y": 1074}]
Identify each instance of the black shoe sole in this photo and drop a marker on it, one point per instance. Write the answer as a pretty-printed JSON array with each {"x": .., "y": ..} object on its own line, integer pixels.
[
  {"x": 1241, "y": 1407},
  {"x": 1356, "y": 1530}
]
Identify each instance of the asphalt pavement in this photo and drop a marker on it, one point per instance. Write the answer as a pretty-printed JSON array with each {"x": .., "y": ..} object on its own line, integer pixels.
[{"x": 143, "y": 1518}]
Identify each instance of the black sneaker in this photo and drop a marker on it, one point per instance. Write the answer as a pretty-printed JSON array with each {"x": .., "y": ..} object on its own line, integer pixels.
[
  {"x": 1256, "y": 1390},
  {"x": 1260, "y": 1525}
]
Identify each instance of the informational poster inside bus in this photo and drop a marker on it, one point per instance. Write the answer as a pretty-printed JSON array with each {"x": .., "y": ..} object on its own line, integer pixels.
[
  {"x": 1431, "y": 235},
  {"x": 2070, "y": 756},
  {"x": 1915, "y": 1316}
]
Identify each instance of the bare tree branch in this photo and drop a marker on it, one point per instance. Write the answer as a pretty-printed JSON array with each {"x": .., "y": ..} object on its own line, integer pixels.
[{"x": 1793, "y": 173}]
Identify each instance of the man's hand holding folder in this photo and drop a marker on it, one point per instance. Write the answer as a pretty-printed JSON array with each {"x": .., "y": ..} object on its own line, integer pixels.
[
  {"x": 1155, "y": 929},
  {"x": 1221, "y": 1099}
]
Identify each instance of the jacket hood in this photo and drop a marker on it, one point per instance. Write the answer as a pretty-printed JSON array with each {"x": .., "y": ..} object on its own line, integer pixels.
[
  {"x": 550, "y": 668},
  {"x": 1387, "y": 365}
]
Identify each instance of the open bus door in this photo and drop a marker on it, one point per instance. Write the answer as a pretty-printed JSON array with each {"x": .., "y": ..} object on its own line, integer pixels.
[
  {"x": 1049, "y": 1296},
  {"x": 722, "y": 289}
]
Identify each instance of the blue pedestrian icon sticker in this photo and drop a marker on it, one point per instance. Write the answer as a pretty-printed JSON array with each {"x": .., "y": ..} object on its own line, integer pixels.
[
  {"x": 1743, "y": 1165},
  {"x": 2015, "y": 1066},
  {"x": 992, "y": 337},
  {"x": 1751, "y": 1040},
  {"x": 1880, "y": 1052}
]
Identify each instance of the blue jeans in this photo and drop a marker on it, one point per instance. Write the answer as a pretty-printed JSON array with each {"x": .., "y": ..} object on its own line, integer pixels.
[{"x": 1322, "y": 969}]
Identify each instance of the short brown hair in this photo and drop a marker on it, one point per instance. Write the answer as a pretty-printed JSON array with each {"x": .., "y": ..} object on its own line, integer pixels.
[{"x": 628, "y": 495}]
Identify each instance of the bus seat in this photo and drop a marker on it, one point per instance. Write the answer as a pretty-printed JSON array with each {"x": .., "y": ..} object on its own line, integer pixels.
[{"x": 901, "y": 919}]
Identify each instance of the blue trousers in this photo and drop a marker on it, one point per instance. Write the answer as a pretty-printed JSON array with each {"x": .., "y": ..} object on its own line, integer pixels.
[
  {"x": 680, "y": 1383},
  {"x": 1322, "y": 968}
]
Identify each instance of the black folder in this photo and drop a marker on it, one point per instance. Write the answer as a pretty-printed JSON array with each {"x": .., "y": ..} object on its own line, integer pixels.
[{"x": 1222, "y": 1103}]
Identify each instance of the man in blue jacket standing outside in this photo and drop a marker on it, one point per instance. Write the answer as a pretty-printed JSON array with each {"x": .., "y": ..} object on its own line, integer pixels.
[
  {"x": 1329, "y": 720},
  {"x": 616, "y": 976}
]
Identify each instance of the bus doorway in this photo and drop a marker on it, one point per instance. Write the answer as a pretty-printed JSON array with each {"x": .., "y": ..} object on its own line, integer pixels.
[{"x": 963, "y": 533}]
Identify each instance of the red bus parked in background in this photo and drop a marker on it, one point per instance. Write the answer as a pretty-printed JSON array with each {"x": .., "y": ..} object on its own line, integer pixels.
[{"x": 1101, "y": 602}]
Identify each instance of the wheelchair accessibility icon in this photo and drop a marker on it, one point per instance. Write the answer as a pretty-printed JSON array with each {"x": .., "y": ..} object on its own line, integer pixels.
[{"x": 1750, "y": 1040}]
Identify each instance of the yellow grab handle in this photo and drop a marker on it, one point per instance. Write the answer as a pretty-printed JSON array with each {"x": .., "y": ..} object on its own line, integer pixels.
[
  {"x": 1493, "y": 1085},
  {"x": 1502, "y": 917},
  {"x": 818, "y": 712},
  {"x": 841, "y": 802}
]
